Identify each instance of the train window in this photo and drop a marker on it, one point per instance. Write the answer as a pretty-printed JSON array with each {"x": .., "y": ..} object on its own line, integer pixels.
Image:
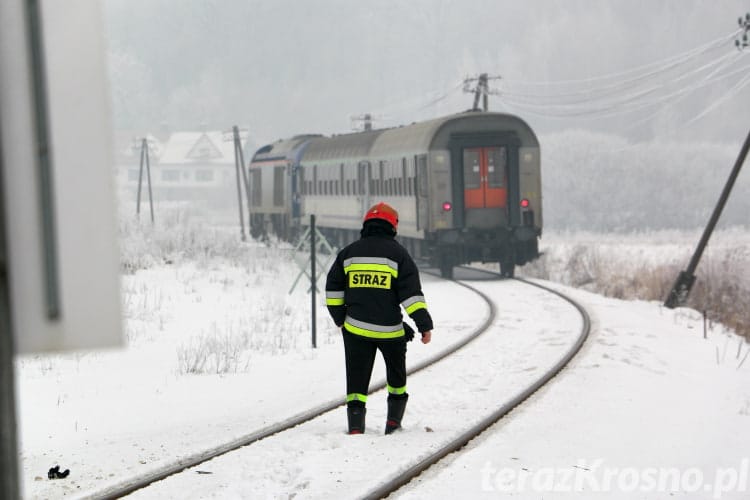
[
  {"x": 256, "y": 191},
  {"x": 404, "y": 178},
  {"x": 278, "y": 186},
  {"x": 361, "y": 170},
  {"x": 497, "y": 159},
  {"x": 422, "y": 175},
  {"x": 381, "y": 177},
  {"x": 315, "y": 186},
  {"x": 472, "y": 169}
]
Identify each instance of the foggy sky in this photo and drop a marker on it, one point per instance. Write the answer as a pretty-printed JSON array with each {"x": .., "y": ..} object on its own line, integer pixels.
[{"x": 285, "y": 67}]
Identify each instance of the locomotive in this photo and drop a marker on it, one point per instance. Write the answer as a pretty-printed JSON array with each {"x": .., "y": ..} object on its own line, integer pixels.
[{"x": 467, "y": 187}]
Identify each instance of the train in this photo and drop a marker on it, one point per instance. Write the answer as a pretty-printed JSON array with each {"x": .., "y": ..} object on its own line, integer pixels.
[{"x": 467, "y": 187}]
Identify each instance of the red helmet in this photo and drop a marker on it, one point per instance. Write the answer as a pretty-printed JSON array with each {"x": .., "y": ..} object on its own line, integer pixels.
[{"x": 383, "y": 211}]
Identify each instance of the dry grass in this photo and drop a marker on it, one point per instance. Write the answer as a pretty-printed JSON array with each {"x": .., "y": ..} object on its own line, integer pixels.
[{"x": 719, "y": 290}]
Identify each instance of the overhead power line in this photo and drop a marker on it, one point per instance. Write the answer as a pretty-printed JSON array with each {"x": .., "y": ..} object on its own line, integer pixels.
[
  {"x": 647, "y": 88},
  {"x": 658, "y": 84},
  {"x": 656, "y": 65}
]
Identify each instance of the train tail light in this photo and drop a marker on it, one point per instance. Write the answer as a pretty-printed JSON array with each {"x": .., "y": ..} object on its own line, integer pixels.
[
  {"x": 447, "y": 206},
  {"x": 524, "y": 203}
]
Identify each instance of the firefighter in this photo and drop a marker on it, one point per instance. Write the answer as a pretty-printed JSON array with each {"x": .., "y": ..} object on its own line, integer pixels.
[{"x": 366, "y": 287}]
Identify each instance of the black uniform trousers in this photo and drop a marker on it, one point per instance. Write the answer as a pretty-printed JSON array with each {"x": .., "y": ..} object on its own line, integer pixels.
[{"x": 360, "y": 358}]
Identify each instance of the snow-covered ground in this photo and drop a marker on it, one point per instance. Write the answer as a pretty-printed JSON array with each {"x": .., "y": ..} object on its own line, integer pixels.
[
  {"x": 649, "y": 409},
  {"x": 218, "y": 348}
]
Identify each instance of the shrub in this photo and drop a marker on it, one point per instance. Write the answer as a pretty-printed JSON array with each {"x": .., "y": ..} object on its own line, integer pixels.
[{"x": 721, "y": 290}]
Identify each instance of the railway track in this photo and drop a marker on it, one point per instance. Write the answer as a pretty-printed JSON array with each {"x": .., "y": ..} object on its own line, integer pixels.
[
  {"x": 396, "y": 482},
  {"x": 404, "y": 476}
]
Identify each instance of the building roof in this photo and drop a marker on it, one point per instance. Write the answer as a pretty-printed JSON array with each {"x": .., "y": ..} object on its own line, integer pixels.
[{"x": 212, "y": 147}]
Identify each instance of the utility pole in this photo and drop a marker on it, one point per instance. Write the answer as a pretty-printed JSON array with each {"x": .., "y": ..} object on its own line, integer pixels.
[
  {"x": 239, "y": 161},
  {"x": 144, "y": 160},
  {"x": 482, "y": 89},
  {"x": 685, "y": 280},
  {"x": 742, "y": 43},
  {"x": 236, "y": 136},
  {"x": 365, "y": 119}
]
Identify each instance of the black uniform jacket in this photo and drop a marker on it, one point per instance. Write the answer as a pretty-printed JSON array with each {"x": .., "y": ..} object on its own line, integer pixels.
[{"x": 370, "y": 281}]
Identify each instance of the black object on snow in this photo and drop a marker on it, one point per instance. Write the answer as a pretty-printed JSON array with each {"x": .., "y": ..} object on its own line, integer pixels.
[{"x": 54, "y": 473}]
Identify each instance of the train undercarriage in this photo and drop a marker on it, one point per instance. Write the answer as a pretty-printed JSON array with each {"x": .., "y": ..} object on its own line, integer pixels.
[{"x": 441, "y": 251}]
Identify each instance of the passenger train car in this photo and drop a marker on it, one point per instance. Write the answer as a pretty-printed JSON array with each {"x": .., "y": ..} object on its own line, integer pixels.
[{"x": 467, "y": 187}]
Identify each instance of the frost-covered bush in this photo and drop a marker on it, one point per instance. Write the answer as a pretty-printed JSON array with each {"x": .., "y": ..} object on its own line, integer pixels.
[
  {"x": 177, "y": 235},
  {"x": 214, "y": 352},
  {"x": 646, "y": 267}
]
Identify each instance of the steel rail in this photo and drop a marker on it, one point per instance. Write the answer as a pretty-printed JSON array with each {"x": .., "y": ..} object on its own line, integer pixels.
[
  {"x": 404, "y": 477},
  {"x": 132, "y": 485}
]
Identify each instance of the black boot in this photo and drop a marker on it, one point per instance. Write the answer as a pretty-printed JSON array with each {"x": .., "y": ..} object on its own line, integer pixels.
[
  {"x": 396, "y": 407},
  {"x": 356, "y": 417}
]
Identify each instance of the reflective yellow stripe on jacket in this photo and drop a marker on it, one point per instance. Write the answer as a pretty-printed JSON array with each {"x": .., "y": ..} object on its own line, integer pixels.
[
  {"x": 372, "y": 330},
  {"x": 414, "y": 303},
  {"x": 378, "y": 264},
  {"x": 334, "y": 298}
]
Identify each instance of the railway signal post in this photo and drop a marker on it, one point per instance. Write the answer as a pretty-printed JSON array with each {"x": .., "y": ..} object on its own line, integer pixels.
[{"x": 313, "y": 237}]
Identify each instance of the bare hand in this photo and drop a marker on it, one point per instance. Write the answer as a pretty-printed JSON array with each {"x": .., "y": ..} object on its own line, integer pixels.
[{"x": 426, "y": 337}]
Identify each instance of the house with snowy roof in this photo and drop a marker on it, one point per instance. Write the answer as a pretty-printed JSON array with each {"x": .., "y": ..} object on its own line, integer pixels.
[{"x": 194, "y": 167}]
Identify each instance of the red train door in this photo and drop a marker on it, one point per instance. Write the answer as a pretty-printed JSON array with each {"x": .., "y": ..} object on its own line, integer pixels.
[{"x": 485, "y": 177}]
